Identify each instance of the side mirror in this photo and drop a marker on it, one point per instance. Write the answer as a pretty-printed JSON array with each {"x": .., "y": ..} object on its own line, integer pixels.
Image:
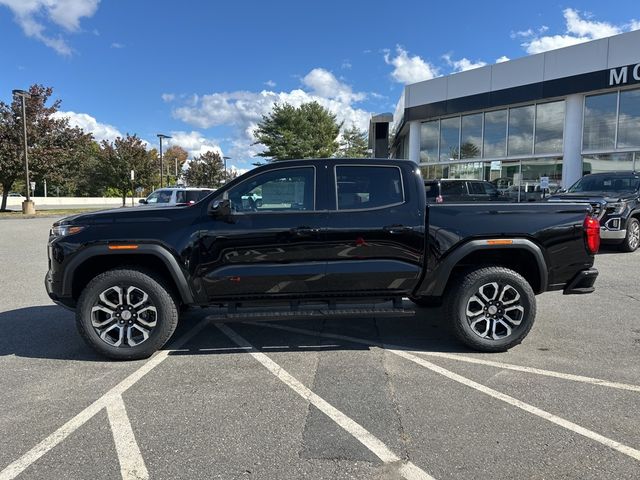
[
  {"x": 220, "y": 208},
  {"x": 561, "y": 190},
  {"x": 142, "y": 201}
]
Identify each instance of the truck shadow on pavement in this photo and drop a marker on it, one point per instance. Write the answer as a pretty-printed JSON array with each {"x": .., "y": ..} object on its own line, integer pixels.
[{"x": 49, "y": 332}]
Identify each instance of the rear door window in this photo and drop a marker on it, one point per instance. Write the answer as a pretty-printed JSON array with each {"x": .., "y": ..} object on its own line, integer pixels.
[
  {"x": 362, "y": 187},
  {"x": 453, "y": 188}
]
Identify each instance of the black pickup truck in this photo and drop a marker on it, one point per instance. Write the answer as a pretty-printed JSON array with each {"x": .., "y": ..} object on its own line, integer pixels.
[
  {"x": 325, "y": 237},
  {"x": 615, "y": 198}
]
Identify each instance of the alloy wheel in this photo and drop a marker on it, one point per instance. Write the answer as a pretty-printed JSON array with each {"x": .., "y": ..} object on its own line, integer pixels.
[
  {"x": 124, "y": 316},
  {"x": 634, "y": 236},
  {"x": 495, "y": 311}
]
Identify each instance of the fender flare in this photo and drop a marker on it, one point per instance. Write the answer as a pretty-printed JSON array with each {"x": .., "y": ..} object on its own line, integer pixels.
[
  {"x": 435, "y": 283},
  {"x": 157, "y": 251}
]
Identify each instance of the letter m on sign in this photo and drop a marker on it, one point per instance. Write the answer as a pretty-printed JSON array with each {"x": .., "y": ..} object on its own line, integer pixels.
[{"x": 618, "y": 76}]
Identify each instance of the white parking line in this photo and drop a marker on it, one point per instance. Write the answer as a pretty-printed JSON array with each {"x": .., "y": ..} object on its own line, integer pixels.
[
  {"x": 408, "y": 470},
  {"x": 625, "y": 449},
  {"x": 461, "y": 358},
  {"x": 132, "y": 465},
  {"x": 15, "y": 468}
]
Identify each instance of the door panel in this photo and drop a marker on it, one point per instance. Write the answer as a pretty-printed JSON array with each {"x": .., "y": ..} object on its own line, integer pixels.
[
  {"x": 375, "y": 239},
  {"x": 272, "y": 243}
]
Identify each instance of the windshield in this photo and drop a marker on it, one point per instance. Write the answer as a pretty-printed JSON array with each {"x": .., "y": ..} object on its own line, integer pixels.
[
  {"x": 601, "y": 183},
  {"x": 160, "y": 196}
]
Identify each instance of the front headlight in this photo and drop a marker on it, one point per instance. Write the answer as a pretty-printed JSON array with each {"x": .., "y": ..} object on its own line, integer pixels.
[
  {"x": 65, "y": 230},
  {"x": 617, "y": 208}
]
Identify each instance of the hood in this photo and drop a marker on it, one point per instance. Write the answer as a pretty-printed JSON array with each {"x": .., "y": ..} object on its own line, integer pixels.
[{"x": 127, "y": 215}]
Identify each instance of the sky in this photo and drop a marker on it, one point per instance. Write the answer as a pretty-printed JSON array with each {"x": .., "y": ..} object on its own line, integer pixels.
[{"x": 205, "y": 72}]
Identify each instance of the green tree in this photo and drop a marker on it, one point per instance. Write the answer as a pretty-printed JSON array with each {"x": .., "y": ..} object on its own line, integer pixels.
[
  {"x": 354, "y": 143},
  {"x": 309, "y": 131},
  {"x": 119, "y": 158},
  {"x": 206, "y": 170},
  {"x": 51, "y": 141}
]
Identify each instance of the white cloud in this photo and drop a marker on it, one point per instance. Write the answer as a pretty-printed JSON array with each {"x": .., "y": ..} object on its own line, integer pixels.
[
  {"x": 463, "y": 64},
  {"x": 409, "y": 69},
  {"x": 168, "y": 97},
  {"x": 100, "y": 131},
  {"x": 194, "y": 143},
  {"x": 580, "y": 27},
  {"x": 502, "y": 59},
  {"x": 117, "y": 45},
  {"x": 270, "y": 83},
  {"x": 324, "y": 84},
  {"x": 242, "y": 110},
  {"x": 31, "y": 14}
]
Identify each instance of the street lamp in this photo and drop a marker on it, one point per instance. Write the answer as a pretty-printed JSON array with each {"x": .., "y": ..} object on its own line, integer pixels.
[
  {"x": 27, "y": 205},
  {"x": 226, "y": 178},
  {"x": 161, "y": 136}
]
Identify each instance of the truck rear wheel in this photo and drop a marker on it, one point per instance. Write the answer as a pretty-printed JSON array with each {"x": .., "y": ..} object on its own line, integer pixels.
[
  {"x": 491, "y": 309},
  {"x": 126, "y": 314}
]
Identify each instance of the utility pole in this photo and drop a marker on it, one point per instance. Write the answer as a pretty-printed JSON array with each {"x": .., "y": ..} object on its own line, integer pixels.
[
  {"x": 27, "y": 206},
  {"x": 161, "y": 136},
  {"x": 226, "y": 177}
]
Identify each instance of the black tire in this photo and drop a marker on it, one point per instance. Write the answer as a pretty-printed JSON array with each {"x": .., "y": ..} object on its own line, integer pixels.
[
  {"x": 427, "y": 302},
  {"x": 632, "y": 240},
  {"x": 505, "y": 325},
  {"x": 158, "y": 314}
]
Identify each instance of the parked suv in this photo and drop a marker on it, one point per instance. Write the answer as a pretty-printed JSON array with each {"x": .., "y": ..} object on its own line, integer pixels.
[
  {"x": 615, "y": 199},
  {"x": 171, "y": 197},
  {"x": 452, "y": 190}
]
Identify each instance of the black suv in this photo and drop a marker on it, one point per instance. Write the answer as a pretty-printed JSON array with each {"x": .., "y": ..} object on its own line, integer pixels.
[
  {"x": 615, "y": 199},
  {"x": 453, "y": 190}
]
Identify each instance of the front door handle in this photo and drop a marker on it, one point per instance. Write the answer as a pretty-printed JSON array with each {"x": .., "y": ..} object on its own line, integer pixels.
[{"x": 397, "y": 229}]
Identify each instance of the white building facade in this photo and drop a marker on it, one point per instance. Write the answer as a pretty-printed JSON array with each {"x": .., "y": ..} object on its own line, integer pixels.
[{"x": 555, "y": 115}]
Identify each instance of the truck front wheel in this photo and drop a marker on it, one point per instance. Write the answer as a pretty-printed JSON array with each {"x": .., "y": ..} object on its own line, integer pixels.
[
  {"x": 491, "y": 308},
  {"x": 126, "y": 314},
  {"x": 632, "y": 240}
]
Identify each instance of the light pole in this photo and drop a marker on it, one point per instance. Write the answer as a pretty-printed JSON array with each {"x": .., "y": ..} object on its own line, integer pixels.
[
  {"x": 161, "y": 136},
  {"x": 27, "y": 206},
  {"x": 226, "y": 178}
]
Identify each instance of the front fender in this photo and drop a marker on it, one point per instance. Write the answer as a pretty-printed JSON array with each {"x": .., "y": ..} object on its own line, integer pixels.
[{"x": 168, "y": 259}]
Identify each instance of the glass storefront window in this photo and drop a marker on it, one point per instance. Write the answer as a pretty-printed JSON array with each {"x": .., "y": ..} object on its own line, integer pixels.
[
  {"x": 600, "y": 121},
  {"x": 549, "y": 127},
  {"x": 521, "y": 130},
  {"x": 495, "y": 134},
  {"x": 449, "y": 139},
  {"x": 466, "y": 171},
  {"x": 608, "y": 162},
  {"x": 532, "y": 171},
  {"x": 429, "y": 135},
  {"x": 629, "y": 119},
  {"x": 471, "y": 140}
]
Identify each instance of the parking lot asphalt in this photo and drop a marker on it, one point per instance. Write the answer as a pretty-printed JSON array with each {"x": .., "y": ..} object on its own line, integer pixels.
[{"x": 365, "y": 399}]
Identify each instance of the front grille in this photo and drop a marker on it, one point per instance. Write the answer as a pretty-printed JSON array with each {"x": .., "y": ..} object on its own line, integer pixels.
[{"x": 597, "y": 210}]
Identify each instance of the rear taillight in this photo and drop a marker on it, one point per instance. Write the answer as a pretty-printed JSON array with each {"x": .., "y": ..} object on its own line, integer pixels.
[
  {"x": 439, "y": 199},
  {"x": 592, "y": 230}
]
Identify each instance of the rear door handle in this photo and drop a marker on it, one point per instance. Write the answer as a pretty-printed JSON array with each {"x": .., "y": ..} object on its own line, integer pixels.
[{"x": 396, "y": 229}]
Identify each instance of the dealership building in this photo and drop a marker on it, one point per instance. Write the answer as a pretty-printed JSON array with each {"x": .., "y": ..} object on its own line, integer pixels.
[{"x": 549, "y": 118}]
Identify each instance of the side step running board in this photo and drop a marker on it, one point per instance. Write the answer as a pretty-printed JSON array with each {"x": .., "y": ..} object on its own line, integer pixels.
[{"x": 269, "y": 314}]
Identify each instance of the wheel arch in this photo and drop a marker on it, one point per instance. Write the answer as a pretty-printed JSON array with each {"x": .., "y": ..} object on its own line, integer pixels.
[
  {"x": 521, "y": 255},
  {"x": 94, "y": 260}
]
